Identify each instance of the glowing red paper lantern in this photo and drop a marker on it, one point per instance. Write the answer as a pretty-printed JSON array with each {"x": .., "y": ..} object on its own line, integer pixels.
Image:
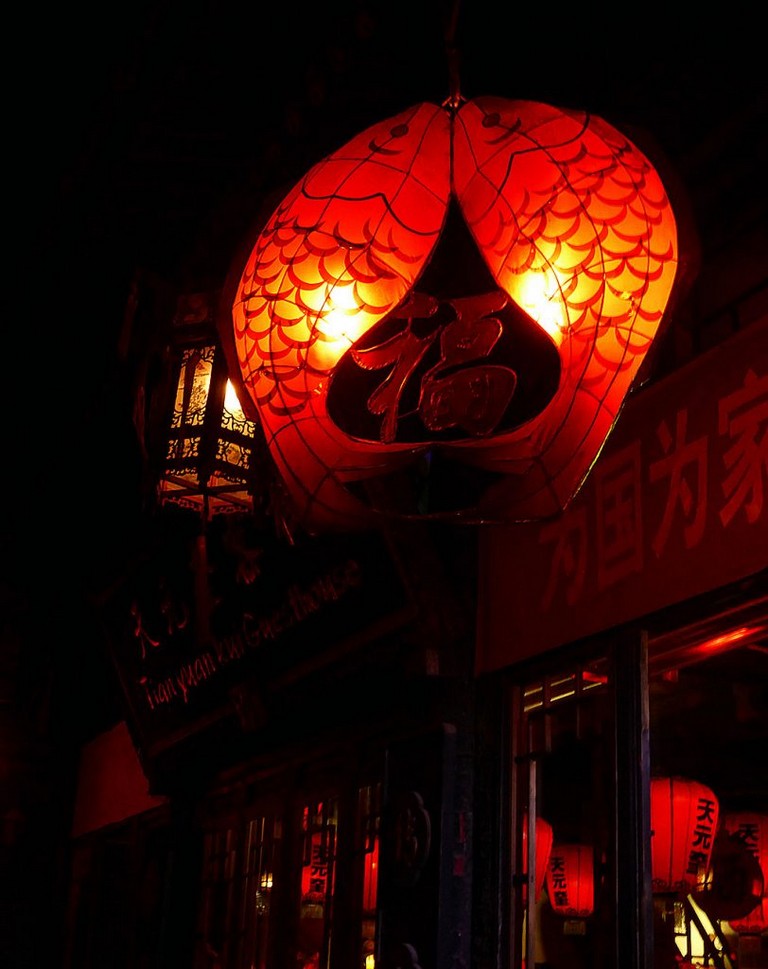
[
  {"x": 571, "y": 880},
  {"x": 371, "y": 876},
  {"x": 544, "y": 839},
  {"x": 461, "y": 292},
  {"x": 751, "y": 829},
  {"x": 684, "y": 819}
]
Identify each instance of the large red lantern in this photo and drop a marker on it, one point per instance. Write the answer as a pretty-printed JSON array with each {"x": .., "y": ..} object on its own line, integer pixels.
[
  {"x": 462, "y": 293},
  {"x": 571, "y": 880},
  {"x": 371, "y": 876},
  {"x": 684, "y": 819},
  {"x": 544, "y": 836}
]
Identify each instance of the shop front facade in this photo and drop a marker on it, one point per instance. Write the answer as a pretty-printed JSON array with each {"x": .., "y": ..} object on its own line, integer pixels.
[
  {"x": 625, "y": 646},
  {"x": 342, "y": 774}
]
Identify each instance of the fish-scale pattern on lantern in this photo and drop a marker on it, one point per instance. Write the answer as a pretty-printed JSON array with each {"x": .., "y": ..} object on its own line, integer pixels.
[{"x": 578, "y": 236}]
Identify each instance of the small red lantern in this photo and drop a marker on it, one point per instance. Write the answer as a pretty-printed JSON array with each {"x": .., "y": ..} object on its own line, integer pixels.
[
  {"x": 318, "y": 863},
  {"x": 463, "y": 292},
  {"x": 751, "y": 829},
  {"x": 684, "y": 818},
  {"x": 571, "y": 880},
  {"x": 544, "y": 837}
]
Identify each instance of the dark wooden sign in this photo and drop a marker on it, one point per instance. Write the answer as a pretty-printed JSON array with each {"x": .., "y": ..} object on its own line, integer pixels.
[{"x": 201, "y": 616}]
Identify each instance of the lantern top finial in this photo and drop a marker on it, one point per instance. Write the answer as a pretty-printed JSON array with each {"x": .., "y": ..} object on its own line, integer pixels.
[{"x": 453, "y": 57}]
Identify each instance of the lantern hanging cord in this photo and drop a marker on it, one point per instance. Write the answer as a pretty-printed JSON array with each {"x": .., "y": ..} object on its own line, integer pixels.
[{"x": 454, "y": 98}]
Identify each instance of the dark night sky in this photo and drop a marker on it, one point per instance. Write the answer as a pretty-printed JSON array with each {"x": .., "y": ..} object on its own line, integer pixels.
[
  {"x": 142, "y": 120},
  {"x": 143, "y": 124}
]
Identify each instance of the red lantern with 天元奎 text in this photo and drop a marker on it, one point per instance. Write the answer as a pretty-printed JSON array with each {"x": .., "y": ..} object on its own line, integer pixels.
[
  {"x": 571, "y": 880},
  {"x": 444, "y": 316},
  {"x": 751, "y": 828},
  {"x": 371, "y": 876},
  {"x": 684, "y": 819}
]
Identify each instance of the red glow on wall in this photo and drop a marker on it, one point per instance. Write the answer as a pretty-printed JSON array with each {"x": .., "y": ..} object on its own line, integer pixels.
[
  {"x": 571, "y": 880},
  {"x": 364, "y": 352},
  {"x": 717, "y": 643},
  {"x": 684, "y": 819}
]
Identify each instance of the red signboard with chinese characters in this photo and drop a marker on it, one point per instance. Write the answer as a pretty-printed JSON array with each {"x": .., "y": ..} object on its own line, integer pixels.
[{"x": 676, "y": 506}]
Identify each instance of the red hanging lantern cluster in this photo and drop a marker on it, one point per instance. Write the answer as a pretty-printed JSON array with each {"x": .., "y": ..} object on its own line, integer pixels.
[
  {"x": 461, "y": 292},
  {"x": 684, "y": 820},
  {"x": 571, "y": 880}
]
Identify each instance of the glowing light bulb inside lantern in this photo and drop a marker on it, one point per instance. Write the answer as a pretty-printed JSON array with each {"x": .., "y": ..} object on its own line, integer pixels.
[
  {"x": 232, "y": 402},
  {"x": 341, "y": 320},
  {"x": 539, "y": 294}
]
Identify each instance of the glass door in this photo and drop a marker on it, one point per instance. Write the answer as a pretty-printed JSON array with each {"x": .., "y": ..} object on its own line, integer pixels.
[{"x": 562, "y": 827}]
